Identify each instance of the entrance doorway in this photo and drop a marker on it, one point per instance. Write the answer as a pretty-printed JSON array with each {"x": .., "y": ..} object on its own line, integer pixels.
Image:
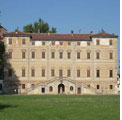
[
  {"x": 61, "y": 88},
  {"x": 79, "y": 90}
]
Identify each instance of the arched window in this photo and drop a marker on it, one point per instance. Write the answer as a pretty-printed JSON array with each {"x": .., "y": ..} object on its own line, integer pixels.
[
  {"x": 71, "y": 88},
  {"x": 50, "y": 88}
]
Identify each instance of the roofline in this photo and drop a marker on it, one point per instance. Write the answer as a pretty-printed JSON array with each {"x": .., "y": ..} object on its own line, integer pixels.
[
  {"x": 62, "y": 39},
  {"x": 17, "y": 35},
  {"x": 106, "y": 36}
]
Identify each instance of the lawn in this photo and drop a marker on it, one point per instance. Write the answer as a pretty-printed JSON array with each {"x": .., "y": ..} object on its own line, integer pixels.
[{"x": 60, "y": 107}]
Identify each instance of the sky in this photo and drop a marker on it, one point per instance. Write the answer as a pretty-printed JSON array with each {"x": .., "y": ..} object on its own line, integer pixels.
[{"x": 65, "y": 15}]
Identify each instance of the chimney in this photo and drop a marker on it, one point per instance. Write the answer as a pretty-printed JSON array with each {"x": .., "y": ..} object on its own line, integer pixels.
[
  {"x": 72, "y": 31},
  {"x": 16, "y": 30},
  {"x": 102, "y": 31},
  {"x": 91, "y": 32}
]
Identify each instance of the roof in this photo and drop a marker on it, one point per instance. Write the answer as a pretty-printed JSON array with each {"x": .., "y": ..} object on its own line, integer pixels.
[
  {"x": 2, "y": 27},
  {"x": 49, "y": 36},
  {"x": 57, "y": 36},
  {"x": 17, "y": 33},
  {"x": 104, "y": 35}
]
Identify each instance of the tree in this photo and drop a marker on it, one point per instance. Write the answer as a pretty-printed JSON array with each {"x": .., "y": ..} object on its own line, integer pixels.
[
  {"x": 28, "y": 28},
  {"x": 53, "y": 30},
  {"x": 2, "y": 51},
  {"x": 39, "y": 27}
]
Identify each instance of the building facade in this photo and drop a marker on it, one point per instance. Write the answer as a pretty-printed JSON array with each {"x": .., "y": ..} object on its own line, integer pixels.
[{"x": 51, "y": 63}]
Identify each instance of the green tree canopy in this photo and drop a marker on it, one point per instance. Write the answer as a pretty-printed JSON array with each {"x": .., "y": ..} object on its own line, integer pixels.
[
  {"x": 2, "y": 50},
  {"x": 39, "y": 27}
]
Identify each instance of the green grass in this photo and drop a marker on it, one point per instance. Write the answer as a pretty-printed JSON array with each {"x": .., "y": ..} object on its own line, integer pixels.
[{"x": 60, "y": 107}]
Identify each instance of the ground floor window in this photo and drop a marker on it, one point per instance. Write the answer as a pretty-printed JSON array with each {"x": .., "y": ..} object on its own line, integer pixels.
[
  {"x": 50, "y": 88},
  {"x": 71, "y": 88},
  {"x": 0, "y": 86},
  {"x": 43, "y": 90},
  {"x": 23, "y": 86},
  {"x": 32, "y": 86},
  {"x": 98, "y": 86},
  {"x": 88, "y": 86},
  {"x": 111, "y": 86}
]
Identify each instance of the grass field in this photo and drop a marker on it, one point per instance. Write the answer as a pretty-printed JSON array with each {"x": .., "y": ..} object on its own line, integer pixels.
[{"x": 60, "y": 107}]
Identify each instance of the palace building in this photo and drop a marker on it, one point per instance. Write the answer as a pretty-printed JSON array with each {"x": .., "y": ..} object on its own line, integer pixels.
[{"x": 52, "y": 63}]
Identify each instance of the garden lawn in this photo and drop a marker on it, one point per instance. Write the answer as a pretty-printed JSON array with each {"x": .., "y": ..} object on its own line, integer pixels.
[{"x": 60, "y": 107}]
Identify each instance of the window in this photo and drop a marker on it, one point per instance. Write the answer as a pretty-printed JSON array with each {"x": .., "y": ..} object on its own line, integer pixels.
[
  {"x": 52, "y": 72},
  {"x": 78, "y": 55},
  {"x": 23, "y": 54},
  {"x": 10, "y": 41},
  {"x": 23, "y": 41},
  {"x": 32, "y": 86},
  {"x": 33, "y": 54},
  {"x": 23, "y": 72},
  {"x": 68, "y": 73},
  {"x": 78, "y": 73},
  {"x": 88, "y": 86},
  {"x": 32, "y": 72},
  {"x": 53, "y": 42},
  {"x": 61, "y": 43},
  {"x": 33, "y": 42},
  {"x": 61, "y": 55},
  {"x": 110, "y": 73},
  {"x": 53, "y": 54},
  {"x": 43, "y": 43},
  {"x": 97, "y": 55},
  {"x": 10, "y": 54},
  {"x": 0, "y": 86},
  {"x": 88, "y": 73},
  {"x": 60, "y": 73},
  {"x": 69, "y": 43},
  {"x": 71, "y": 88},
  {"x": 43, "y": 55},
  {"x": 88, "y": 43},
  {"x": 111, "y": 86},
  {"x": 78, "y": 43},
  {"x": 111, "y": 55},
  {"x": 43, "y": 90},
  {"x": 97, "y": 73},
  {"x": 98, "y": 86},
  {"x": 97, "y": 42},
  {"x": 50, "y": 88},
  {"x": 88, "y": 55},
  {"x": 110, "y": 42},
  {"x": 43, "y": 72},
  {"x": 23, "y": 86},
  {"x": 68, "y": 55},
  {"x": 10, "y": 72}
]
